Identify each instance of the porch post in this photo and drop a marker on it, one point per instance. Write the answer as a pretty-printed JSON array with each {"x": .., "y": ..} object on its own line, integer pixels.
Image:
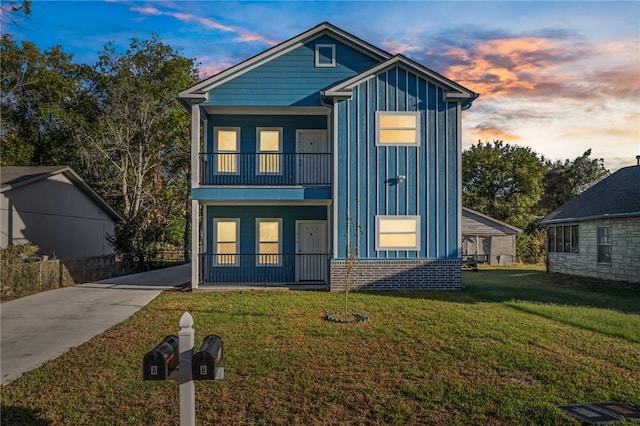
[
  {"x": 195, "y": 183},
  {"x": 195, "y": 243}
]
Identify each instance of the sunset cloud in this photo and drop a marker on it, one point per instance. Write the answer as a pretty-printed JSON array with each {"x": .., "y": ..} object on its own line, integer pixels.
[{"x": 243, "y": 35}]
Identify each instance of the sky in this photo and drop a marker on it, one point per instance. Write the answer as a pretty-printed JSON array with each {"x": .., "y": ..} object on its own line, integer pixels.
[{"x": 558, "y": 77}]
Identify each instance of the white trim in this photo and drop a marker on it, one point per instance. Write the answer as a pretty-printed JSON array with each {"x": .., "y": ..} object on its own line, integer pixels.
[
  {"x": 278, "y": 152},
  {"x": 257, "y": 239},
  {"x": 416, "y": 114},
  {"x": 459, "y": 155},
  {"x": 217, "y": 151},
  {"x": 266, "y": 202},
  {"x": 267, "y": 110},
  {"x": 456, "y": 91},
  {"x": 334, "y": 185},
  {"x": 214, "y": 245},
  {"x": 318, "y": 56},
  {"x": 195, "y": 243},
  {"x": 200, "y": 90},
  {"x": 195, "y": 146},
  {"x": 415, "y": 218}
]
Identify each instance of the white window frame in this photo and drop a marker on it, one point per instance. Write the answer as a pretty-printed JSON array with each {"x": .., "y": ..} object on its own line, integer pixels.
[
  {"x": 320, "y": 64},
  {"x": 415, "y": 218},
  {"x": 215, "y": 241},
  {"x": 258, "y": 254},
  {"x": 380, "y": 114},
  {"x": 260, "y": 153},
  {"x": 599, "y": 244},
  {"x": 217, "y": 152}
]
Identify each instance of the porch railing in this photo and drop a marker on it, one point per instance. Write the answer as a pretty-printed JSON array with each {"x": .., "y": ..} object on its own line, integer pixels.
[
  {"x": 231, "y": 168},
  {"x": 264, "y": 269}
]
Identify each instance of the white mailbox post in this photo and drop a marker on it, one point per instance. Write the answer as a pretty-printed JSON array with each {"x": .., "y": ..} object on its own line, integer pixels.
[{"x": 169, "y": 360}]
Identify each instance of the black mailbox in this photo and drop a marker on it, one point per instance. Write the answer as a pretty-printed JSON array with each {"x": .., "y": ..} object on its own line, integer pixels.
[
  {"x": 208, "y": 362},
  {"x": 162, "y": 360}
]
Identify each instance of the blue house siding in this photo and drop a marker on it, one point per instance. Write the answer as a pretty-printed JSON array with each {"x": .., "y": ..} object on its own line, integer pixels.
[
  {"x": 247, "y": 270},
  {"x": 291, "y": 79},
  {"x": 431, "y": 169},
  {"x": 249, "y": 123}
]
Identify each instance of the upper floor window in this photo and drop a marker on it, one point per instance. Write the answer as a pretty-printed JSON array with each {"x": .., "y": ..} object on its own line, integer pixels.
[
  {"x": 269, "y": 141},
  {"x": 564, "y": 239},
  {"x": 397, "y": 232},
  {"x": 269, "y": 241},
  {"x": 397, "y": 128},
  {"x": 604, "y": 244},
  {"x": 226, "y": 141},
  {"x": 225, "y": 236},
  {"x": 325, "y": 55}
]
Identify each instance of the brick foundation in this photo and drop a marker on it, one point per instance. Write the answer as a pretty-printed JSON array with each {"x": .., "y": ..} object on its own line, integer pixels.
[{"x": 400, "y": 274}]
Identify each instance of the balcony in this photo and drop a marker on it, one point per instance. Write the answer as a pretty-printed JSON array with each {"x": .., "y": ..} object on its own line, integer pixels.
[
  {"x": 267, "y": 169},
  {"x": 264, "y": 269}
]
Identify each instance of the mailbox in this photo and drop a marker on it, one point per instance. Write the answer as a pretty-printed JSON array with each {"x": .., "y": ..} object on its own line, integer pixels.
[
  {"x": 208, "y": 362},
  {"x": 162, "y": 360}
]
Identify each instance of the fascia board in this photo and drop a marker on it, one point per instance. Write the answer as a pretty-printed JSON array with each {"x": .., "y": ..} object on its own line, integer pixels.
[
  {"x": 455, "y": 91},
  {"x": 235, "y": 71},
  {"x": 585, "y": 218}
]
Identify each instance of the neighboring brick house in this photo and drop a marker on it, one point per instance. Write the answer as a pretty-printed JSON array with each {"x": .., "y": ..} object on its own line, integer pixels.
[
  {"x": 318, "y": 136},
  {"x": 597, "y": 233}
]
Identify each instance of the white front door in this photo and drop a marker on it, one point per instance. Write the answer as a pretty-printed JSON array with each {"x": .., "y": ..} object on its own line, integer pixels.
[
  {"x": 311, "y": 250},
  {"x": 314, "y": 165}
]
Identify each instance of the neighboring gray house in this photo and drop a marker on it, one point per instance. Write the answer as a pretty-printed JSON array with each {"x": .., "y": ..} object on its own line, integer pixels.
[
  {"x": 597, "y": 233},
  {"x": 53, "y": 208},
  {"x": 486, "y": 239}
]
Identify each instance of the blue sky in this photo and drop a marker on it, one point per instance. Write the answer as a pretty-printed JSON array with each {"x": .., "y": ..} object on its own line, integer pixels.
[{"x": 559, "y": 77}]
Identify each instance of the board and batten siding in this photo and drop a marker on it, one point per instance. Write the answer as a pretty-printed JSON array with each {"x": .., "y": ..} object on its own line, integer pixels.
[
  {"x": 291, "y": 79},
  {"x": 366, "y": 172}
]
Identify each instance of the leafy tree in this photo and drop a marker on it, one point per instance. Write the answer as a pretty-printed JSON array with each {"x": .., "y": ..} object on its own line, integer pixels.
[
  {"x": 566, "y": 179},
  {"x": 43, "y": 105},
  {"x": 139, "y": 148},
  {"x": 503, "y": 181}
]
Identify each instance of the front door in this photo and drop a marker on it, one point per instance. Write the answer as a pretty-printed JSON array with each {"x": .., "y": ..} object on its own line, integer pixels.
[
  {"x": 314, "y": 161},
  {"x": 311, "y": 250}
]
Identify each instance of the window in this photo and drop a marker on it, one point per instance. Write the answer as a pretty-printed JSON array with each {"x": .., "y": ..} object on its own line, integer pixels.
[
  {"x": 268, "y": 241},
  {"x": 269, "y": 147},
  {"x": 225, "y": 235},
  {"x": 226, "y": 142},
  {"x": 397, "y": 128},
  {"x": 325, "y": 55},
  {"x": 563, "y": 239},
  {"x": 604, "y": 244},
  {"x": 397, "y": 232}
]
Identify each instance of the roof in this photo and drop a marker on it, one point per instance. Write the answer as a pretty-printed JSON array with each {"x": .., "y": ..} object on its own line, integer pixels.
[
  {"x": 489, "y": 221},
  {"x": 453, "y": 90},
  {"x": 616, "y": 196},
  {"x": 199, "y": 91},
  {"x": 13, "y": 177}
]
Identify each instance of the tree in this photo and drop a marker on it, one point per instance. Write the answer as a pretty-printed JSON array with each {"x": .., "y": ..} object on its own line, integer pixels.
[
  {"x": 43, "y": 105},
  {"x": 566, "y": 179},
  {"x": 139, "y": 148},
  {"x": 13, "y": 12},
  {"x": 503, "y": 181}
]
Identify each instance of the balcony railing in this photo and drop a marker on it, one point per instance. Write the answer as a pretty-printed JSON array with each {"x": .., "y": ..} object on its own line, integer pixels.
[
  {"x": 264, "y": 269},
  {"x": 297, "y": 169}
]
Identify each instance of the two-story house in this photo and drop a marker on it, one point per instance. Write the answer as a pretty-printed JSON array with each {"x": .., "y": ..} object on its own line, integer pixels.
[{"x": 321, "y": 149}]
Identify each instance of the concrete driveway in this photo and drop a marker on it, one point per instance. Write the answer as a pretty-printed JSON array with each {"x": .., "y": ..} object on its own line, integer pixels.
[{"x": 41, "y": 327}]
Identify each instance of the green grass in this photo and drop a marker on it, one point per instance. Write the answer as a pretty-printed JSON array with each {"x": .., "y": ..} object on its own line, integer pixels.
[{"x": 505, "y": 350}]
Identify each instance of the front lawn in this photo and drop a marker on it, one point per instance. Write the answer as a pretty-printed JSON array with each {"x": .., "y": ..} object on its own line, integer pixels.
[{"x": 506, "y": 350}]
